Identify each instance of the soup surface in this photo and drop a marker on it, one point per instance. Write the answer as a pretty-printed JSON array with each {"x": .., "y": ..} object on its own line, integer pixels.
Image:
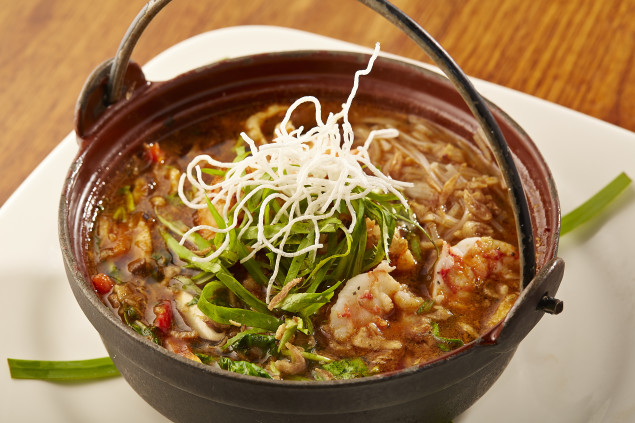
[{"x": 296, "y": 268}]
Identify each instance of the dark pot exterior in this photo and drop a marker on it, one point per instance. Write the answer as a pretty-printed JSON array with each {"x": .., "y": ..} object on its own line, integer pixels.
[{"x": 185, "y": 391}]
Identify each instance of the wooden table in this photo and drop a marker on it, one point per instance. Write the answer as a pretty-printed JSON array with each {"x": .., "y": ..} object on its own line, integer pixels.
[{"x": 578, "y": 53}]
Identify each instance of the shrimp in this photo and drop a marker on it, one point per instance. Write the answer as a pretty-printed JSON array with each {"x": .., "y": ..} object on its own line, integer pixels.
[
  {"x": 466, "y": 266},
  {"x": 363, "y": 306},
  {"x": 296, "y": 363},
  {"x": 400, "y": 254}
]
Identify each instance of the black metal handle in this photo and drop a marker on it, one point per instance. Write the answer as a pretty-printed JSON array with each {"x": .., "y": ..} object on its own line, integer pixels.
[
  {"x": 488, "y": 124},
  {"x": 128, "y": 43},
  {"x": 441, "y": 58}
]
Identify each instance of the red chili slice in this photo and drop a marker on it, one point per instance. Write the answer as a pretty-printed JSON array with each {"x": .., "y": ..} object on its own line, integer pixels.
[
  {"x": 154, "y": 152},
  {"x": 103, "y": 283},
  {"x": 163, "y": 313}
]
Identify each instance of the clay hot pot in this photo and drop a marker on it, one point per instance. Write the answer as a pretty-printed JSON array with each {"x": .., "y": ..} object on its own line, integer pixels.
[{"x": 186, "y": 391}]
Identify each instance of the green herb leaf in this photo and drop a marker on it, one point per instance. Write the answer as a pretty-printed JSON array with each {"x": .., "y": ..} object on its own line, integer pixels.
[
  {"x": 595, "y": 204},
  {"x": 348, "y": 266},
  {"x": 205, "y": 358},
  {"x": 97, "y": 368},
  {"x": 359, "y": 233},
  {"x": 335, "y": 250},
  {"x": 243, "y": 367},
  {"x": 130, "y": 314},
  {"x": 347, "y": 369},
  {"x": 145, "y": 330},
  {"x": 220, "y": 222},
  {"x": 248, "y": 338},
  {"x": 229, "y": 315}
]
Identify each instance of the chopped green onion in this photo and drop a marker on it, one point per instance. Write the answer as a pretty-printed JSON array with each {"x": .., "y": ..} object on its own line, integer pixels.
[
  {"x": 426, "y": 306},
  {"x": 595, "y": 204},
  {"x": 445, "y": 344},
  {"x": 180, "y": 228},
  {"x": 215, "y": 172},
  {"x": 309, "y": 356},
  {"x": 315, "y": 357},
  {"x": 120, "y": 215},
  {"x": 62, "y": 370},
  {"x": 291, "y": 327},
  {"x": 239, "y": 149},
  {"x": 243, "y": 367},
  {"x": 130, "y": 206}
]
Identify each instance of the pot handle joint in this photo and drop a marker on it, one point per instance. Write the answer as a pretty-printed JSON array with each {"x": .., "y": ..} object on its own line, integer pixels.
[
  {"x": 128, "y": 43},
  {"x": 115, "y": 78},
  {"x": 550, "y": 305},
  {"x": 536, "y": 300}
]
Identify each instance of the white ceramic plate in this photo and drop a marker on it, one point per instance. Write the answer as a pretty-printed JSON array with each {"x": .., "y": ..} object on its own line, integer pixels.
[{"x": 575, "y": 367}]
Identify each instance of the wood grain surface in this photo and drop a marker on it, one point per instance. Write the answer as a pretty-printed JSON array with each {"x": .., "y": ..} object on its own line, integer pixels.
[{"x": 577, "y": 53}]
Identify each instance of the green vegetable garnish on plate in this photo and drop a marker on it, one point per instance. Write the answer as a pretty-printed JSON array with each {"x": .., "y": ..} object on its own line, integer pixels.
[
  {"x": 97, "y": 368},
  {"x": 594, "y": 205}
]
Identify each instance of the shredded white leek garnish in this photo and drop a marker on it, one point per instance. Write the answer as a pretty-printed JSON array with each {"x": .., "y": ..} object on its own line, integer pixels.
[{"x": 318, "y": 168}]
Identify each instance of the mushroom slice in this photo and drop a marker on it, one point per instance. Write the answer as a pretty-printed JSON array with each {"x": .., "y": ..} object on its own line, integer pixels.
[{"x": 195, "y": 318}]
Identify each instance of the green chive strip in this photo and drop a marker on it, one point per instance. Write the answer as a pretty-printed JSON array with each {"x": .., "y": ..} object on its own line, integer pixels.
[
  {"x": 228, "y": 315},
  {"x": 62, "y": 370},
  {"x": 310, "y": 356},
  {"x": 180, "y": 228},
  {"x": 595, "y": 204},
  {"x": 241, "y": 292}
]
